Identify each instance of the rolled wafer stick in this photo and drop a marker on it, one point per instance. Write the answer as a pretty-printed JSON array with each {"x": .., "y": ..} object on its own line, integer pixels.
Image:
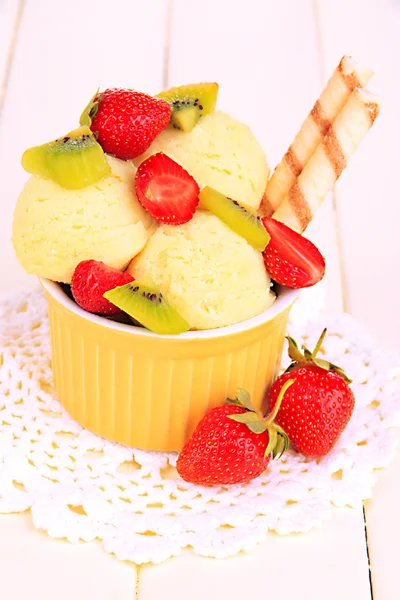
[
  {"x": 346, "y": 77},
  {"x": 328, "y": 161}
]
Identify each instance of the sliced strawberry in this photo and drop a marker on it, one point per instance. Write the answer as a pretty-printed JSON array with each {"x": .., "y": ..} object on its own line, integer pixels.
[
  {"x": 290, "y": 258},
  {"x": 91, "y": 279},
  {"x": 166, "y": 190}
]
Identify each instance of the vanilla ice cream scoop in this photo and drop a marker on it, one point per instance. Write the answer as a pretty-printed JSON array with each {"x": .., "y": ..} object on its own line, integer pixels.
[
  {"x": 209, "y": 273},
  {"x": 220, "y": 152},
  {"x": 54, "y": 229}
]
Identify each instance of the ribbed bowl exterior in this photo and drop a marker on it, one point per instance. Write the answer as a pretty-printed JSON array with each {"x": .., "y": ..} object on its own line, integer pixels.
[{"x": 148, "y": 391}]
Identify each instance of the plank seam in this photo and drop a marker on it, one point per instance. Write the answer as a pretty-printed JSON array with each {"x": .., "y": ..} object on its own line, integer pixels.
[
  {"x": 10, "y": 53},
  {"x": 137, "y": 582},
  {"x": 319, "y": 42},
  {"x": 368, "y": 557},
  {"x": 336, "y": 221},
  {"x": 167, "y": 43},
  {"x": 342, "y": 270}
]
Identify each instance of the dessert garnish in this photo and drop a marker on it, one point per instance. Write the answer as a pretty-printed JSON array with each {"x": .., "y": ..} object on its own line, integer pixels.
[
  {"x": 291, "y": 259},
  {"x": 91, "y": 279},
  {"x": 347, "y": 76},
  {"x": 317, "y": 407},
  {"x": 326, "y": 164},
  {"x": 126, "y": 122},
  {"x": 166, "y": 190},
  {"x": 233, "y": 443},
  {"x": 238, "y": 218},
  {"x": 190, "y": 102},
  {"x": 216, "y": 150},
  {"x": 146, "y": 305},
  {"x": 74, "y": 160}
]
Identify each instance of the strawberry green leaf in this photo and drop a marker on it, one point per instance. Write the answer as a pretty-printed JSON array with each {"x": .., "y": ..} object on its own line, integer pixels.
[
  {"x": 292, "y": 341},
  {"x": 257, "y": 426},
  {"x": 328, "y": 366},
  {"x": 332, "y": 367},
  {"x": 234, "y": 402},
  {"x": 283, "y": 442},
  {"x": 324, "y": 364},
  {"x": 279, "y": 447},
  {"x": 242, "y": 399},
  {"x": 310, "y": 358},
  {"x": 278, "y": 442},
  {"x": 308, "y": 355},
  {"x": 253, "y": 421},
  {"x": 272, "y": 442},
  {"x": 294, "y": 352}
]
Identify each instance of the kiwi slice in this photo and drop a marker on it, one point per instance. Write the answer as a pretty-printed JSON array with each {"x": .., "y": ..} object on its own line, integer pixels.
[
  {"x": 190, "y": 102},
  {"x": 73, "y": 161},
  {"x": 145, "y": 304},
  {"x": 235, "y": 216}
]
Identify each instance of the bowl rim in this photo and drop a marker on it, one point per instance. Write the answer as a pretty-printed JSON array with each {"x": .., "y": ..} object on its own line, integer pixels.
[{"x": 285, "y": 298}]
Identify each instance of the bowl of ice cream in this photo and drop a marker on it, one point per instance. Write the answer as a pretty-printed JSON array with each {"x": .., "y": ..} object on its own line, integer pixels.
[
  {"x": 166, "y": 290},
  {"x": 145, "y": 390}
]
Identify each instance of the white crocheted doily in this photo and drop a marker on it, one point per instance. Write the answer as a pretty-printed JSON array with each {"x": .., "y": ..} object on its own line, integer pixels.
[{"x": 81, "y": 487}]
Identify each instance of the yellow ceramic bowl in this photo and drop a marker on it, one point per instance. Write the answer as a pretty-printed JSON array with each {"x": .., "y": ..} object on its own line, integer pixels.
[{"x": 150, "y": 391}]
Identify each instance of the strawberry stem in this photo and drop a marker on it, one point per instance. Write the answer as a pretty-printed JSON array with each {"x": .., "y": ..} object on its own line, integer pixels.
[
  {"x": 319, "y": 343},
  {"x": 278, "y": 403}
]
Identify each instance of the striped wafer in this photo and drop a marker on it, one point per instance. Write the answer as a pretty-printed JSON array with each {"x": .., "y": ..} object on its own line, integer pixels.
[
  {"x": 328, "y": 161},
  {"x": 347, "y": 76}
]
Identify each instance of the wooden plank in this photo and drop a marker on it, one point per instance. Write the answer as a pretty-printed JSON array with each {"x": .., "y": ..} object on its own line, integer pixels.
[
  {"x": 10, "y": 13},
  {"x": 369, "y": 213},
  {"x": 66, "y": 50},
  {"x": 30, "y": 561},
  {"x": 269, "y": 74},
  {"x": 367, "y": 193},
  {"x": 220, "y": 41},
  {"x": 328, "y": 563},
  {"x": 267, "y": 66},
  {"x": 383, "y": 529}
]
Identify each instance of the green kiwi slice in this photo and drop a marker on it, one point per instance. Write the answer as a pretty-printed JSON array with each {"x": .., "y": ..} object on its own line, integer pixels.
[
  {"x": 146, "y": 304},
  {"x": 235, "y": 216},
  {"x": 190, "y": 102},
  {"x": 73, "y": 161}
]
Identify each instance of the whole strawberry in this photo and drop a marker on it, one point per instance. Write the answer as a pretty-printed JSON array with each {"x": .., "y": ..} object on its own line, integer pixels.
[
  {"x": 126, "y": 122},
  {"x": 91, "y": 279},
  {"x": 232, "y": 444},
  {"x": 319, "y": 404}
]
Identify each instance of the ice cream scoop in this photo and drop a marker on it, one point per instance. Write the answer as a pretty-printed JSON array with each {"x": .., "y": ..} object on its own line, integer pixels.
[
  {"x": 220, "y": 152},
  {"x": 209, "y": 273},
  {"x": 54, "y": 228}
]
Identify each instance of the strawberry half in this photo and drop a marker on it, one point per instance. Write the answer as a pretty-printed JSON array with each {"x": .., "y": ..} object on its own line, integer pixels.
[
  {"x": 126, "y": 122},
  {"x": 91, "y": 279},
  {"x": 291, "y": 259},
  {"x": 166, "y": 190}
]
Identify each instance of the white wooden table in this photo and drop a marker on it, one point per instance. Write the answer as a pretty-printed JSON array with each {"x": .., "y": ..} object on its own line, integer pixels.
[{"x": 271, "y": 59}]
